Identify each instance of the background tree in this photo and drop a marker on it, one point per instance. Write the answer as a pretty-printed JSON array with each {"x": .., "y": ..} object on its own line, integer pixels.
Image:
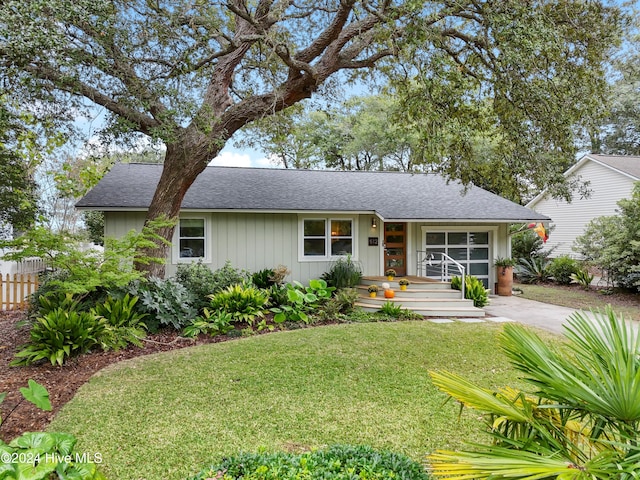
[
  {"x": 618, "y": 132},
  {"x": 191, "y": 74}
]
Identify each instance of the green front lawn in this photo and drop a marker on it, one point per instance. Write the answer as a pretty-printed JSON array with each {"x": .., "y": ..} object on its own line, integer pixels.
[{"x": 170, "y": 415}]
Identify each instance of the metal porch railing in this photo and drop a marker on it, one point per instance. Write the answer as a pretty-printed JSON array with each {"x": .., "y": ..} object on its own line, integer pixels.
[{"x": 438, "y": 264}]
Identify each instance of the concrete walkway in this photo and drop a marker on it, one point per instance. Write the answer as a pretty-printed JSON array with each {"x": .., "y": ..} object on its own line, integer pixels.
[{"x": 529, "y": 312}]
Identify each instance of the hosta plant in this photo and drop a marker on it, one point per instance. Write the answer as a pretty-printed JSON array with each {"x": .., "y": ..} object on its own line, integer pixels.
[{"x": 579, "y": 418}]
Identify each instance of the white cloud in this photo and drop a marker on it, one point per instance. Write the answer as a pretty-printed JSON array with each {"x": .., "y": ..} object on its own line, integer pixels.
[{"x": 230, "y": 158}]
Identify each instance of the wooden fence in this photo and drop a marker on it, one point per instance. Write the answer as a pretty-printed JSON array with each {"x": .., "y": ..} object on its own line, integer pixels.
[{"x": 15, "y": 290}]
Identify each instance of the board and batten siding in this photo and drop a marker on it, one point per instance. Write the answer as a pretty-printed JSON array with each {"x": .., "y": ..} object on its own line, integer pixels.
[
  {"x": 569, "y": 219},
  {"x": 254, "y": 241}
]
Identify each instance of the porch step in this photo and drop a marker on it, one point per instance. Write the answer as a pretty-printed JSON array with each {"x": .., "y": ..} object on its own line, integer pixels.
[
  {"x": 424, "y": 296},
  {"x": 415, "y": 292},
  {"x": 466, "y": 312},
  {"x": 415, "y": 282}
]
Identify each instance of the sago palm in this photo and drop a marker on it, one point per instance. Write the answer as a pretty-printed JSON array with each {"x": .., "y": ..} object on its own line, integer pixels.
[{"x": 579, "y": 421}]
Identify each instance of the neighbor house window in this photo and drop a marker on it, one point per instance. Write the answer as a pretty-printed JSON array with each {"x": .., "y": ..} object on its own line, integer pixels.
[
  {"x": 324, "y": 238},
  {"x": 192, "y": 239}
]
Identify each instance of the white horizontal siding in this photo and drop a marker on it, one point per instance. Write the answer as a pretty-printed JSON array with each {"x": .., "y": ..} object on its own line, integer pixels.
[{"x": 570, "y": 219}]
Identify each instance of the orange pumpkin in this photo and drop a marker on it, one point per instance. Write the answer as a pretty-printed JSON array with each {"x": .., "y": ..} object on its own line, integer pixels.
[{"x": 389, "y": 293}]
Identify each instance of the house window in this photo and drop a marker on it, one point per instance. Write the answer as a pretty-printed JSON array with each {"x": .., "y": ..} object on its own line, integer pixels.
[
  {"x": 323, "y": 238},
  {"x": 192, "y": 238}
]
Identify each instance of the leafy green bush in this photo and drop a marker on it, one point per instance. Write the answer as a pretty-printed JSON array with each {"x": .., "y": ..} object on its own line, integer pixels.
[
  {"x": 343, "y": 273},
  {"x": 243, "y": 302},
  {"x": 166, "y": 302},
  {"x": 125, "y": 323},
  {"x": 474, "y": 290},
  {"x": 216, "y": 323},
  {"x": 339, "y": 462},
  {"x": 561, "y": 269},
  {"x": 302, "y": 300},
  {"x": 263, "y": 278},
  {"x": 611, "y": 243},
  {"x": 56, "y": 299},
  {"x": 341, "y": 303},
  {"x": 533, "y": 270},
  {"x": 61, "y": 334},
  {"x": 199, "y": 280}
]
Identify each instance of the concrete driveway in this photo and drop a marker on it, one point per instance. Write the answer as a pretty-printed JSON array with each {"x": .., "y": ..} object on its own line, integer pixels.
[{"x": 529, "y": 312}]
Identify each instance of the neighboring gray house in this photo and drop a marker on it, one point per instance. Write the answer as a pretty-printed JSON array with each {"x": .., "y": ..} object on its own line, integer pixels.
[
  {"x": 305, "y": 219},
  {"x": 611, "y": 178}
]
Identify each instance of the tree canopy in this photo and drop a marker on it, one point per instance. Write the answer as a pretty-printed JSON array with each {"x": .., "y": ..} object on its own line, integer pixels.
[{"x": 192, "y": 73}]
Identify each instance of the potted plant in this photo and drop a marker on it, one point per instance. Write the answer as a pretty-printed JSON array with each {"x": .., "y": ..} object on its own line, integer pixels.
[
  {"x": 403, "y": 282},
  {"x": 504, "y": 275},
  {"x": 390, "y": 273},
  {"x": 373, "y": 290}
]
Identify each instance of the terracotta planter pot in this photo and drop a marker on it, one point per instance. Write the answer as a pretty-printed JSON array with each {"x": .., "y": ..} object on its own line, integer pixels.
[
  {"x": 505, "y": 281},
  {"x": 389, "y": 293}
]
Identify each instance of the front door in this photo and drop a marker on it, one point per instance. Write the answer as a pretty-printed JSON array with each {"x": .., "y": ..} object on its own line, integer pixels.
[{"x": 395, "y": 248}]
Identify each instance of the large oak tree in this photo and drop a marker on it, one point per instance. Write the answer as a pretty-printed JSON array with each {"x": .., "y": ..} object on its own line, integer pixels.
[{"x": 191, "y": 73}]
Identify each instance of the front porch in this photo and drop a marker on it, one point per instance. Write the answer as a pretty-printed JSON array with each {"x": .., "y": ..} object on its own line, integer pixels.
[{"x": 424, "y": 296}]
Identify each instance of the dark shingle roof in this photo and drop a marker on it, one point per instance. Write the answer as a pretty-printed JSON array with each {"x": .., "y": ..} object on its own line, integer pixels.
[
  {"x": 392, "y": 195},
  {"x": 624, "y": 163}
]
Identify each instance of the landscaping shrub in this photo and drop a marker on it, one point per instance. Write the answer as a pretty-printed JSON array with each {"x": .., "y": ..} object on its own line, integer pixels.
[
  {"x": 343, "y": 273},
  {"x": 199, "y": 280},
  {"x": 341, "y": 303},
  {"x": 124, "y": 321},
  {"x": 339, "y": 462},
  {"x": 243, "y": 302},
  {"x": 611, "y": 244},
  {"x": 61, "y": 334},
  {"x": 263, "y": 278},
  {"x": 166, "y": 302},
  {"x": 209, "y": 323},
  {"x": 301, "y": 300},
  {"x": 474, "y": 290},
  {"x": 533, "y": 270},
  {"x": 561, "y": 269}
]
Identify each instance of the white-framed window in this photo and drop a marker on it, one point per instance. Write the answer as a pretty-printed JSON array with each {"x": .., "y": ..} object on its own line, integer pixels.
[
  {"x": 191, "y": 240},
  {"x": 323, "y": 238}
]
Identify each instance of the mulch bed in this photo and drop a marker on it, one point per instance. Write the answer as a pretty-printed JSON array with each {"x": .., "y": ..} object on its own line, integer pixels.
[{"x": 62, "y": 382}]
